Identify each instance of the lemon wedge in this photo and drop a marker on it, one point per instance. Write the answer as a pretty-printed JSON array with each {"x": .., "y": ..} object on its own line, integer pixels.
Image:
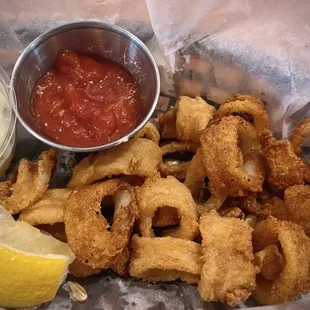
[
  {"x": 32, "y": 265},
  {"x": 5, "y": 214}
]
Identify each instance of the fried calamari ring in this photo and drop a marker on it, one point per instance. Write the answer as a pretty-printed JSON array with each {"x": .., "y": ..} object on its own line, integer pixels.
[
  {"x": 213, "y": 203},
  {"x": 270, "y": 262},
  {"x": 127, "y": 159},
  {"x": 156, "y": 193},
  {"x": 165, "y": 259},
  {"x": 120, "y": 262},
  {"x": 299, "y": 134},
  {"x": 149, "y": 131},
  {"x": 285, "y": 168},
  {"x": 245, "y": 104},
  {"x": 195, "y": 175},
  {"x": 294, "y": 278},
  {"x": 228, "y": 273},
  {"x": 31, "y": 183},
  {"x": 167, "y": 124},
  {"x": 231, "y": 153},
  {"x": 195, "y": 178},
  {"x": 263, "y": 205},
  {"x": 192, "y": 117},
  {"x": 49, "y": 210},
  {"x": 297, "y": 206},
  {"x": 89, "y": 234},
  {"x": 173, "y": 167},
  {"x": 166, "y": 216}
]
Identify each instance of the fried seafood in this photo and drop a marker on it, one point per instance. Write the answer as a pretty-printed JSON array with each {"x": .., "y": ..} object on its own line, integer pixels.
[
  {"x": 231, "y": 153},
  {"x": 294, "y": 245},
  {"x": 284, "y": 167},
  {"x": 300, "y": 133},
  {"x": 270, "y": 262},
  {"x": 192, "y": 117},
  {"x": 158, "y": 192},
  {"x": 228, "y": 273},
  {"x": 264, "y": 204},
  {"x": 167, "y": 124},
  {"x": 297, "y": 206},
  {"x": 165, "y": 259},
  {"x": 81, "y": 270},
  {"x": 166, "y": 216},
  {"x": 213, "y": 203},
  {"x": 170, "y": 166},
  {"x": 232, "y": 212},
  {"x": 195, "y": 175},
  {"x": 94, "y": 241},
  {"x": 149, "y": 131},
  {"x": 31, "y": 183},
  {"x": 120, "y": 262},
  {"x": 244, "y": 104},
  {"x": 246, "y": 187},
  {"x": 49, "y": 210},
  {"x": 127, "y": 159}
]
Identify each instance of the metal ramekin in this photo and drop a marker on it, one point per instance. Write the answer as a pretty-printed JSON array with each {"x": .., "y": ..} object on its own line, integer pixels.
[{"x": 96, "y": 38}]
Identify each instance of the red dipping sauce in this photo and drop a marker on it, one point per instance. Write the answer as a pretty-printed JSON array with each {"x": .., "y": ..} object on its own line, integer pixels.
[{"x": 83, "y": 102}]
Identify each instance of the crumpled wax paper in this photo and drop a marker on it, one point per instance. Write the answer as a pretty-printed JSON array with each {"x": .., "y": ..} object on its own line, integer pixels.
[
  {"x": 218, "y": 48},
  {"x": 212, "y": 48}
]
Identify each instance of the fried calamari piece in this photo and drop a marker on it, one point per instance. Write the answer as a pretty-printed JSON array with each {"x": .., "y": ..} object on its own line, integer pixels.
[
  {"x": 167, "y": 124},
  {"x": 213, "y": 203},
  {"x": 139, "y": 157},
  {"x": 232, "y": 212},
  {"x": 166, "y": 216},
  {"x": 5, "y": 190},
  {"x": 297, "y": 205},
  {"x": 31, "y": 182},
  {"x": 263, "y": 205},
  {"x": 172, "y": 166},
  {"x": 228, "y": 273},
  {"x": 231, "y": 153},
  {"x": 120, "y": 263},
  {"x": 48, "y": 210},
  {"x": 192, "y": 117},
  {"x": 81, "y": 270},
  {"x": 158, "y": 192},
  {"x": 270, "y": 262},
  {"x": 294, "y": 278},
  {"x": 285, "y": 168},
  {"x": 245, "y": 104},
  {"x": 94, "y": 241},
  {"x": 149, "y": 131},
  {"x": 299, "y": 134},
  {"x": 165, "y": 259},
  {"x": 195, "y": 175}
]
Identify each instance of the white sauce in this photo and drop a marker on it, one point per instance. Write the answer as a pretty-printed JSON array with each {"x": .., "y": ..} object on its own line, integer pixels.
[
  {"x": 6, "y": 149},
  {"x": 4, "y": 117}
]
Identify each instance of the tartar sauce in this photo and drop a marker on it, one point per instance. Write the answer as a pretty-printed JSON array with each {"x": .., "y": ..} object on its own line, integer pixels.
[{"x": 6, "y": 119}]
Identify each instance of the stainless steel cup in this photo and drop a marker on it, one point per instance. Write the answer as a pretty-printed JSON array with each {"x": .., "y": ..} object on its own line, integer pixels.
[{"x": 95, "y": 38}]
